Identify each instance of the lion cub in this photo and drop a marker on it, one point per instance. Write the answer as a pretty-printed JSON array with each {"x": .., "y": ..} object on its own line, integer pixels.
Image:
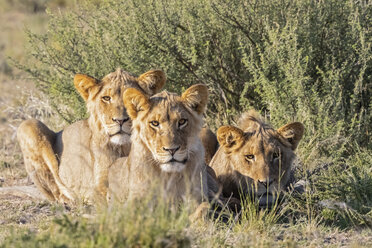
[
  {"x": 166, "y": 147},
  {"x": 255, "y": 158}
]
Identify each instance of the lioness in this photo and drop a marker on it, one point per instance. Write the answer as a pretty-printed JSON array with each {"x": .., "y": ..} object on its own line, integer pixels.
[
  {"x": 254, "y": 158},
  {"x": 166, "y": 147},
  {"x": 60, "y": 164}
]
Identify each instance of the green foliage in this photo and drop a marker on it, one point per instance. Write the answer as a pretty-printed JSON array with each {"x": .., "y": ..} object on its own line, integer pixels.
[
  {"x": 256, "y": 217},
  {"x": 337, "y": 194},
  {"x": 293, "y": 60},
  {"x": 351, "y": 185}
]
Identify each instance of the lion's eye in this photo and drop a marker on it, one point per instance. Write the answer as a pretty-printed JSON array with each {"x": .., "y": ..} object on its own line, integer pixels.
[
  {"x": 154, "y": 123},
  {"x": 249, "y": 157},
  {"x": 106, "y": 98},
  {"x": 182, "y": 122}
]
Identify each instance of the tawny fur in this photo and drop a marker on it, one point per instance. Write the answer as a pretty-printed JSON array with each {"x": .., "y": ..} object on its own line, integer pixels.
[
  {"x": 73, "y": 163},
  {"x": 254, "y": 158},
  {"x": 210, "y": 143},
  {"x": 164, "y": 121}
]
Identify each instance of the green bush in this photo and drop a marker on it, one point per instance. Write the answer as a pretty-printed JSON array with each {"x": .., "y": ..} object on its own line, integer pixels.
[
  {"x": 292, "y": 60},
  {"x": 337, "y": 193}
]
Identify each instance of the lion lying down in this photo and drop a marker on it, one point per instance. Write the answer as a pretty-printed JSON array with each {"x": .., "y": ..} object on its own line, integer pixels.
[{"x": 255, "y": 159}]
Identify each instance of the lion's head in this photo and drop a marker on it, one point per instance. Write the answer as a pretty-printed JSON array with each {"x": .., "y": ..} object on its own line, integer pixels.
[
  {"x": 168, "y": 124},
  {"x": 104, "y": 100},
  {"x": 258, "y": 156}
]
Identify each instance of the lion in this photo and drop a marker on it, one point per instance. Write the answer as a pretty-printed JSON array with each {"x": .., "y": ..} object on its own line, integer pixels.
[
  {"x": 254, "y": 159},
  {"x": 166, "y": 147},
  {"x": 63, "y": 164}
]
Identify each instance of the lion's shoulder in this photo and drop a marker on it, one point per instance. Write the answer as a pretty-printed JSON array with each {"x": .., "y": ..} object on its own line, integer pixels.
[{"x": 77, "y": 128}]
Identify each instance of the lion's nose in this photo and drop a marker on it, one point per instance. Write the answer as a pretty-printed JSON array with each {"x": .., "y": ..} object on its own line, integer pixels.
[
  {"x": 120, "y": 121},
  {"x": 172, "y": 151},
  {"x": 266, "y": 182}
]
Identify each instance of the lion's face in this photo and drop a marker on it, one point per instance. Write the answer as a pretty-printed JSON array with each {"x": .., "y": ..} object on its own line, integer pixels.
[
  {"x": 109, "y": 108},
  {"x": 168, "y": 124},
  {"x": 261, "y": 154},
  {"x": 105, "y": 104}
]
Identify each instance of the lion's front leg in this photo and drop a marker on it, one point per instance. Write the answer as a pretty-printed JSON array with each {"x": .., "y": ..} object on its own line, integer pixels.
[
  {"x": 101, "y": 183},
  {"x": 102, "y": 163},
  {"x": 36, "y": 141}
]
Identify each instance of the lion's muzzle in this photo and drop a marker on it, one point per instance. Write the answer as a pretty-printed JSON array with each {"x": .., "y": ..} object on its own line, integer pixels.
[
  {"x": 173, "y": 161},
  {"x": 119, "y": 133}
]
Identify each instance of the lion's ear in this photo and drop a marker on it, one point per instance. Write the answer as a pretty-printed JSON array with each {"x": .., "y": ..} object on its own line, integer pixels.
[
  {"x": 292, "y": 132},
  {"x": 196, "y": 97},
  {"x": 230, "y": 138},
  {"x": 84, "y": 83},
  {"x": 135, "y": 101},
  {"x": 152, "y": 81}
]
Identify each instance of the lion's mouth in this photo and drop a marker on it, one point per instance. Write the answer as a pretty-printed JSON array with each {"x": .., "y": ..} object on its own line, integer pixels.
[
  {"x": 172, "y": 164},
  {"x": 121, "y": 132},
  {"x": 173, "y": 160}
]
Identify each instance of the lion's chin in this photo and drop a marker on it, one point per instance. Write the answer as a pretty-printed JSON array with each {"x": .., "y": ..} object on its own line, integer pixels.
[
  {"x": 120, "y": 139},
  {"x": 172, "y": 167}
]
